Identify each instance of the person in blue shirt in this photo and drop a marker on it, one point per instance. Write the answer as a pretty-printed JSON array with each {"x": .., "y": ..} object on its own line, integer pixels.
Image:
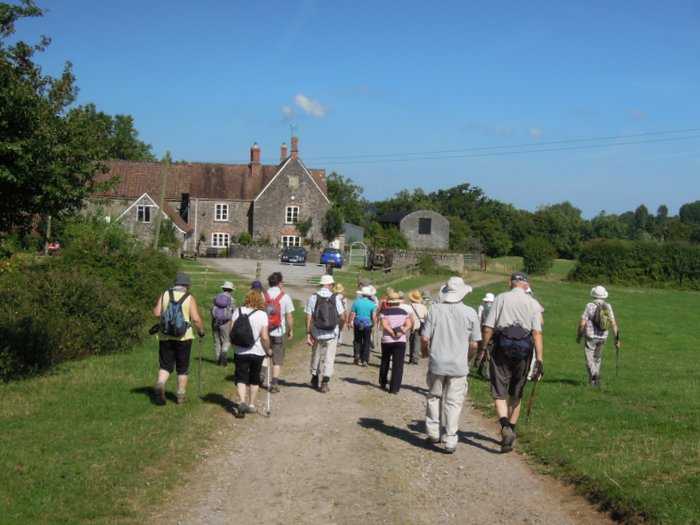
[{"x": 362, "y": 318}]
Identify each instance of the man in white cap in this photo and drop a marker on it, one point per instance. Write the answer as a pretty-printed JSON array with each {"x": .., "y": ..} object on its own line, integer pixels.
[
  {"x": 451, "y": 329},
  {"x": 324, "y": 320},
  {"x": 597, "y": 319},
  {"x": 221, "y": 314},
  {"x": 515, "y": 324}
]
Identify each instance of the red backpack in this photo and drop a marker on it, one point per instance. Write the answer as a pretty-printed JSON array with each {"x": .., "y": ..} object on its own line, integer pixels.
[{"x": 274, "y": 311}]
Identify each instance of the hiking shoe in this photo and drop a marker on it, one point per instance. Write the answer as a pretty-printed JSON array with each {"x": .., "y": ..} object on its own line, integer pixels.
[
  {"x": 181, "y": 398},
  {"x": 364, "y": 363},
  {"x": 159, "y": 394},
  {"x": 223, "y": 360},
  {"x": 250, "y": 409},
  {"x": 314, "y": 381},
  {"x": 508, "y": 435},
  {"x": 356, "y": 361},
  {"x": 324, "y": 387},
  {"x": 240, "y": 410},
  {"x": 450, "y": 450},
  {"x": 431, "y": 440},
  {"x": 274, "y": 389}
]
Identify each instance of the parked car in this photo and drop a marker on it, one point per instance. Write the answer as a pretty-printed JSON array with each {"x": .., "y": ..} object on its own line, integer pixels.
[
  {"x": 332, "y": 256},
  {"x": 293, "y": 255}
]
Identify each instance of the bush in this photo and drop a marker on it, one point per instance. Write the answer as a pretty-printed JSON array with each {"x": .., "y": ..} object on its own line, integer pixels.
[
  {"x": 538, "y": 255},
  {"x": 245, "y": 239},
  {"x": 671, "y": 264},
  {"x": 92, "y": 300},
  {"x": 427, "y": 266}
]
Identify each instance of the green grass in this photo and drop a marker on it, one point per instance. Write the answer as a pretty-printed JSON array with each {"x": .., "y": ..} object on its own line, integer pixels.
[
  {"x": 560, "y": 269},
  {"x": 85, "y": 444},
  {"x": 632, "y": 445}
]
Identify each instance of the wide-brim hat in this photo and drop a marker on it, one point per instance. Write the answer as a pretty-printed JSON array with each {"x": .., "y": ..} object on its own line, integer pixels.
[
  {"x": 228, "y": 285},
  {"x": 454, "y": 290},
  {"x": 182, "y": 279},
  {"x": 415, "y": 296},
  {"x": 599, "y": 292},
  {"x": 393, "y": 297},
  {"x": 489, "y": 298},
  {"x": 367, "y": 291},
  {"x": 327, "y": 279},
  {"x": 339, "y": 288}
]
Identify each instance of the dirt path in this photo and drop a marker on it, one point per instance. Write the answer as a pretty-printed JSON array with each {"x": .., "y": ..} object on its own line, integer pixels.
[{"x": 357, "y": 455}]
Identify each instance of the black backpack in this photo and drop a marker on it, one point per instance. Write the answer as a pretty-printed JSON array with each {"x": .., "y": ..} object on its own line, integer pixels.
[
  {"x": 515, "y": 342},
  {"x": 326, "y": 313},
  {"x": 242, "y": 331}
]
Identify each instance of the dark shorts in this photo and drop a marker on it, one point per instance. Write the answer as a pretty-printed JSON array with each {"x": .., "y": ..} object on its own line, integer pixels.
[
  {"x": 277, "y": 346},
  {"x": 508, "y": 376},
  {"x": 248, "y": 368},
  {"x": 175, "y": 355}
]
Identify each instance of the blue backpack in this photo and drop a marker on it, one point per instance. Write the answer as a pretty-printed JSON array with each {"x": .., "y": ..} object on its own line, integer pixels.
[{"x": 172, "y": 320}]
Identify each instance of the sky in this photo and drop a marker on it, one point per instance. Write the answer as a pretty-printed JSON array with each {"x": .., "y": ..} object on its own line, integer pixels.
[{"x": 507, "y": 96}]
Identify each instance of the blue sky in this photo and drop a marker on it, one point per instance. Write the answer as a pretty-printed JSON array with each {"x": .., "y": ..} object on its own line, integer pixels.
[{"x": 206, "y": 79}]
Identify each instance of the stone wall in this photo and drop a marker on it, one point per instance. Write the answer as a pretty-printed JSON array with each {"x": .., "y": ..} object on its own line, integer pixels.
[
  {"x": 263, "y": 253},
  {"x": 439, "y": 237},
  {"x": 453, "y": 261},
  {"x": 291, "y": 187},
  {"x": 206, "y": 223}
]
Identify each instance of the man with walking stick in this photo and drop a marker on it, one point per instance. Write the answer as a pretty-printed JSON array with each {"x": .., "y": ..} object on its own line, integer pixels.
[{"x": 515, "y": 325}]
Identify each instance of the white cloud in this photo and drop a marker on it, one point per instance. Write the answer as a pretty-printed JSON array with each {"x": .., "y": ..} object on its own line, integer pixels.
[
  {"x": 287, "y": 112},
  {"x": 310, "y": 106},
  {"x": 536, "y": 133}
]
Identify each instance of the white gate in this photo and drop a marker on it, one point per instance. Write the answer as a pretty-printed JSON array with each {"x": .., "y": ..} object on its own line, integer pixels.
[{"x": 358, "y": 254}]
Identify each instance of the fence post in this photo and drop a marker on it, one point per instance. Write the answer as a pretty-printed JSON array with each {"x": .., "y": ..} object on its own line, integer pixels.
[{"x": 258, "y": 270}]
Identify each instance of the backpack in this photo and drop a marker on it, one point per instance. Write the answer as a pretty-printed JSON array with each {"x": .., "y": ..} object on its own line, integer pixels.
[
  {"x": 172, "y": 320},
  {"x": 242, "y": 331},
  {"x": 601, "y": 317},
  {"x": 325, "y": 313},
  {"x": 515, "y": 342},
  {"x": 274, "y": 311},
  {"x": 222, "y": 309}
]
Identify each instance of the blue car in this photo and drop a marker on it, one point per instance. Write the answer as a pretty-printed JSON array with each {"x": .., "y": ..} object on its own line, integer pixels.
[{"x": 333, "y": 257}]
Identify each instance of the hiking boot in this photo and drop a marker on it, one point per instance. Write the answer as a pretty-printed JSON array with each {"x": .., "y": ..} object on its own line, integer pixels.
[
  {"x": 508, "y": 435},
  {"x": 274, "y": 389},
  {"x": 356, "y": 361},
  {"x": 364, "y": 364},
  {"x": 450, "y": 450},
  {"x": 431, "y": 440},
  {"x": 324, "y": 387},
  {"x": 240, "y": 410},
  {"x": 159, "y": 394},
  {"x": 314, "y": 381},
  {"x": 250, "y": 409},
  {"x": 180, "y": 398},
  {"x": 223, "y": 360}
]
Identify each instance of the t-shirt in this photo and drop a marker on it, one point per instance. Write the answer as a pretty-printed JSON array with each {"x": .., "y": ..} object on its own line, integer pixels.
[
  {"x": 589, "y": 313},
  {"x": 286, "y": 307},
  {"x": 178, "y": 292},
  {"x": 363, "y": 308},
  {"x": 397, "y": 317},
  {"x": 515, "y": 308},
  {"x": 311, "y": 306},
  {"x": 258, "y": 321},
  {"x": 450, "y": 328}
]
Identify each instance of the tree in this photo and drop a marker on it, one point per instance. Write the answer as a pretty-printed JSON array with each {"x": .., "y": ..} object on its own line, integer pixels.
[
  {"x": 460, "y": 235},
  {"x": 690, "y": 213},
  {"x": 494, "y": 237},
  {"x": 304, "y": 227},
  {"x": 332, "y": 224},
  {"x": 47, "y": 161},
  {"x": 562, "y": 225},
  {"x": 347, "y": 197},
  {"x": 538, "y": 255}
]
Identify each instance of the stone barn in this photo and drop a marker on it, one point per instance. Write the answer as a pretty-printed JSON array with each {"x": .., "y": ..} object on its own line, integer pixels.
[{"x": 423, "y": 229}]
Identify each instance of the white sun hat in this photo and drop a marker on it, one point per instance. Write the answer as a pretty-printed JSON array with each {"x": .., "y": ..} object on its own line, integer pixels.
[
  {"x": 454, "y": 290},
  {"x": 599, "y": 292},
  {"x": 489, "y": 298},
  {"x": 327, "y": 279},
  {"x": 367, "y": 291},
  {"x": 228, "y": 285}
]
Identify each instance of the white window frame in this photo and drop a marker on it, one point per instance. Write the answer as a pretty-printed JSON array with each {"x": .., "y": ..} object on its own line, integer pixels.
[
  {"x": 220, "y": 240},
  {"x": 221, "y": 212},
  {"x": 143, "y": 209},
  {"x": 291, "y": 215},
  {"x": 289, "y": 241}
]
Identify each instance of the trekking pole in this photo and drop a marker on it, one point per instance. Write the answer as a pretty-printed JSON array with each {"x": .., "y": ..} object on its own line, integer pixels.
[
  {"x": 199, "y": 370},
  {"x": 617, "y": 351},
  {"x": 531, "y": 400}
]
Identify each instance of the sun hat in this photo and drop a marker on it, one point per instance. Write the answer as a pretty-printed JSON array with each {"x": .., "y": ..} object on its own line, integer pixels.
[
  {"x": 256, "y": 285},
  {"x": 415, "y": 296},
  {"x": 339, "y": 288},
  {"x": 518, "y": 277},
  {"x": 489, "y": 298},
  {"x": 327, "y": 279},
  {"x": 182, "y": 279},
  {"x": 389, "y": 291},
  {"x": 372, "y": 291},
  {"x": 393, "y": 297},
  {"x": 367, "y": 291},
  {"x": 228, "y": 285},
  {"x": 599, "y": 292},
  {"x": 454, "y": 290}
]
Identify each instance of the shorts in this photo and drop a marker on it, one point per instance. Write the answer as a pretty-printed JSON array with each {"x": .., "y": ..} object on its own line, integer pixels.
[
  {"x": 248, "y": 368},
  {"x": 174, "y": 354},
  {"x": 277, "y": 347},
  {"x": 508, "y": 376}
]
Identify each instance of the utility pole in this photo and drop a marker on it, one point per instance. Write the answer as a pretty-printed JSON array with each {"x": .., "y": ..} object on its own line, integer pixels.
[{"x": 163, "y": 184}]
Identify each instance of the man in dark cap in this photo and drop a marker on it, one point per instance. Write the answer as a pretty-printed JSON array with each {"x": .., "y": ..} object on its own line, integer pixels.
[{"x": 515, "y": 324}]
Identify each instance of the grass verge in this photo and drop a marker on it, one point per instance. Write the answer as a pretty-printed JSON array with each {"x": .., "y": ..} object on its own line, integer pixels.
[
  {"x": 84, "y": 444},
  {"x": 631, "y": 446}
]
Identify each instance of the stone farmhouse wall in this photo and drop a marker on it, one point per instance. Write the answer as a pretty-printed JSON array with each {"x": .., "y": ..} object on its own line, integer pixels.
[{"x": 439, "y": 237}]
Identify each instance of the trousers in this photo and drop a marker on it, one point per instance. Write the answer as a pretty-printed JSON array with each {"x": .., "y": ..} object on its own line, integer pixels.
[
  {"x": 323, "y": 357},
  {"x": 593, "y": 351},
  {"x": 392, "y": 353},
  {"x": 362, "y": 342},
  {"x": 444, "y": 406}
]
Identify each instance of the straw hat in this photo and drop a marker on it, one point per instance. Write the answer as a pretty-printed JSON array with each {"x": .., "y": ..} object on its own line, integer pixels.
[
  {"x": 339, "y": 288},
  {"x": 415, "y": 296},
  {"x": 454, "y": 290},
  {"x": 599, "y": 292},
  {"x": 393, "y": 297}
]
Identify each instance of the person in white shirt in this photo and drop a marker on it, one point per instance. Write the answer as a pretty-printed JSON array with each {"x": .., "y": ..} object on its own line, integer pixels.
[
  {"x": 279, "y": 307},
  {"x": 325, "y": 316},
  {"x": 248, "y": 360}
]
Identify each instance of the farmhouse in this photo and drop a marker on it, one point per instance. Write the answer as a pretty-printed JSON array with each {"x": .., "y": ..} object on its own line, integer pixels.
[
  {"x": 423, "y": 229},
  {"x": 214, "y": 204}
]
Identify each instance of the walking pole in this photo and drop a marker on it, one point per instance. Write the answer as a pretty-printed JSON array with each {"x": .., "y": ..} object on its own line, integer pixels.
[
  {"x": 199, "y": 370},
  {"x": 531, "y": 400},
  {"x": 617, "y": 351}
]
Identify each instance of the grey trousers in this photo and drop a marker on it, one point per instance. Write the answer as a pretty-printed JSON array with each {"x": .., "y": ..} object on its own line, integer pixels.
[
  {"x": 222, "y": 339},
  {"x": 323, "y": 357},
  {"x": 444, "y": 406},
  {"x": 593, "y": 352}
]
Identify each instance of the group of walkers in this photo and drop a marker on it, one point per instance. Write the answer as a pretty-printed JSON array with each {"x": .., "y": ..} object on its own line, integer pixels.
[{"x": 504, "y": 337}]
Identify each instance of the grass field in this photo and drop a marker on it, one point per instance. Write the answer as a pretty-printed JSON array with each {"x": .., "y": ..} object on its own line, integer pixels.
[
  {"x": 634, "y": 444},
  {"x": 560, "y": 269},
  {"x": 85, "y": 444}
]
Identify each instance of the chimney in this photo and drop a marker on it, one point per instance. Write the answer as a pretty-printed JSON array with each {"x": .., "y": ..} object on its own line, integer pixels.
[
  {"x": 254, "y": 167},
  {"x": 284, "y": 153},
  {"x": 295, "y": 147}
]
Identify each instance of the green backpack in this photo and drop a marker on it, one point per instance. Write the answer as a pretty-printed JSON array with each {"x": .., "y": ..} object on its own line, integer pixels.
[{"x": 602, "y": 320}]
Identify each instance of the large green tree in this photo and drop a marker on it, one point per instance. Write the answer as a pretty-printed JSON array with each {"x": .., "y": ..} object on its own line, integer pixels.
[
  {"x": 47, "y": 161},
  {"x": 690, "y": 213},
  {"x": 347, "y": 197}
]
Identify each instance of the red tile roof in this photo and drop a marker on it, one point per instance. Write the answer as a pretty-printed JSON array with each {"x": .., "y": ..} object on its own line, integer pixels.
[
  {"x": 177, "y": 220},
  {"x": 201, "y": 180}
]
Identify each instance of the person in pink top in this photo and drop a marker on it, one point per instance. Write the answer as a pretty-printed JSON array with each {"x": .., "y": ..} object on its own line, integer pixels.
[{"x": 396, "y": 324}]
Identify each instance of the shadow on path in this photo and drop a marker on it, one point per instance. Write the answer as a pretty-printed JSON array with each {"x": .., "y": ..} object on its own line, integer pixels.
[
  {"x": 361, "y": 382},
  {"x": 217, "y": 399},
  {"x": 396, "y": 432},
  {"x": 473, "y": 439}
]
